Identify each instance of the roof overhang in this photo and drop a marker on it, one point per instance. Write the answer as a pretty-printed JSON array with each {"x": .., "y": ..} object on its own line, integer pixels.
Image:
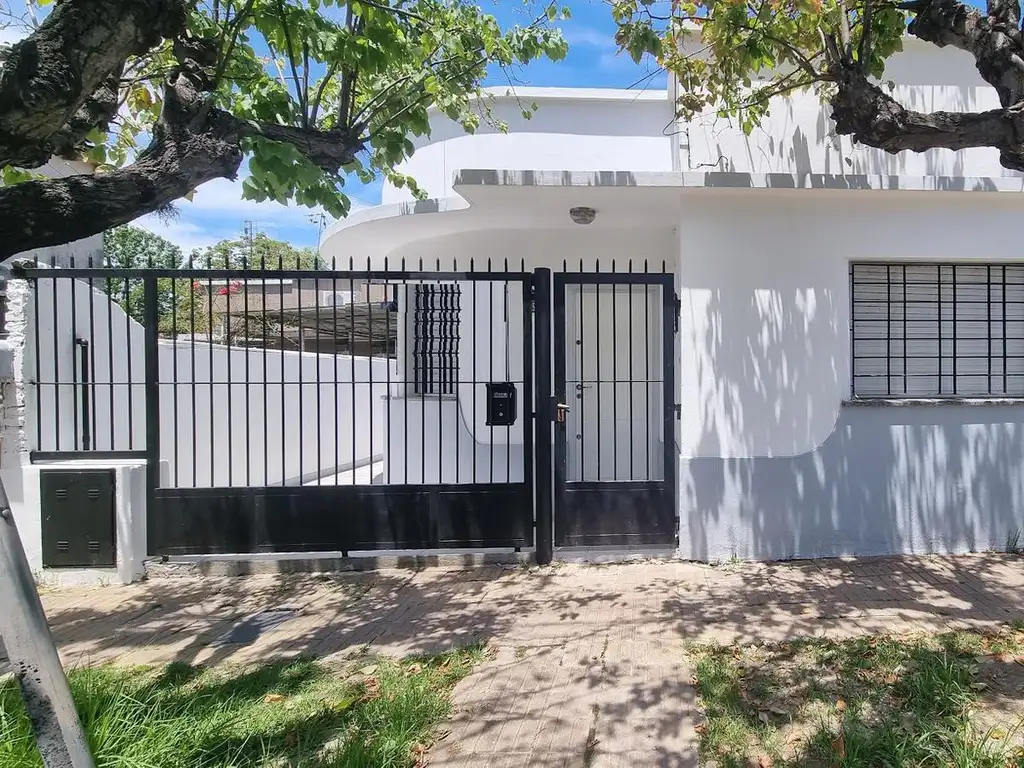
[{"x": 489, "y": 199}]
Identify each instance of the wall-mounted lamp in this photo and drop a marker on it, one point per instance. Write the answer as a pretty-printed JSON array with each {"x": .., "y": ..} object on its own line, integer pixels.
[{"x": 581, "y": 214}]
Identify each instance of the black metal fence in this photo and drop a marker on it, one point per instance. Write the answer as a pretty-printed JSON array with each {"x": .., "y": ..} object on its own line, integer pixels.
[
  {"x": 289, "y": 409},
  {"x": 347, "y": 410}
]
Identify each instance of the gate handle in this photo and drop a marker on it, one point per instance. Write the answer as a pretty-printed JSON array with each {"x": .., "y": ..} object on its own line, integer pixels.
[{"x": 560, "y": 410}]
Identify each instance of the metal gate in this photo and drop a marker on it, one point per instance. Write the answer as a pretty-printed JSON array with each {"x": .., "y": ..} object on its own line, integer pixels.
[
  {"x": 614, "y": 467},
  {"x": 296, "y": 410}
]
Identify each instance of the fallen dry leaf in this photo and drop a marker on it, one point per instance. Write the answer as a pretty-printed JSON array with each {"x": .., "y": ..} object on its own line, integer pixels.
[
  {"x": 764, "y": 761},
  {"x": 701, "y": 728},
  {"x": 414, "y": 669},
  {"x": 841, "y": 705},
  {"x": 839, "y": 745},
  {"x": 764, "y": 717},
  {"x": 997, "y": 733},
  {"x": 273, "y": 698},
  {"x": 1005, "y": 658}
]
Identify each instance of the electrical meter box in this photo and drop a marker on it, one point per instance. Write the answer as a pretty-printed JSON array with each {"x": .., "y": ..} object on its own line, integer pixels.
[{"x": 501, "y": 404}]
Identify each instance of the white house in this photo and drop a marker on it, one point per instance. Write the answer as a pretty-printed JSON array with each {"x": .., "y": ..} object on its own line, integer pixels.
[
  {"x": 606, "y": 326},
  {"x": 848, "y": 356}
]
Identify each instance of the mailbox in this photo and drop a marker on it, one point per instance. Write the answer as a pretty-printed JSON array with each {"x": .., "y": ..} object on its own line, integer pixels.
[{"x": 501, "y": 404}]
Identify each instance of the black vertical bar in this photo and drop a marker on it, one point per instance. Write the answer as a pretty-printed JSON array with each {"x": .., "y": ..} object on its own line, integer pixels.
[
  {"x": 490, "y": 361},
  {"x": 174, "y": 374},
  {"x": 228, "y": 287},
  {"x": 369, "y": 368},
  {"x": 319, "y": 442},
  {"x": 632, "y": 385},
  {"x": 301, "y": 361},
  {"x": 92, "y": 357},
  {"x": 597, "y": 365},
  {"x": 213, "y": 421},
  {"x": 192, "y": 370},
  {"x": 38, "y": 387},
  {"x": 284, "y": 399},
  {"x": 408, "y": 360},
  {"x": 952, "y": 270},
  {"x": 110, "y": 361},
  {"x": 615, "y": 389},
  {"x": 246, "y": 346},
  {"x": 647, "y": 374},
  {"x": 75, "y": 410},
  {"x": 83, "y": 357},
  {"x": 580, "y": 372},
  {"x": 560, "y": 441},
  {"x": 669, "y": 397},
  {"x": 446, "y": 300},
  {"x": 455, "y": 268},
  {"x": 528, "y": 407},
  {"x": 476, "y": 356},
  {"x": 389, "y": 311},
  {"x": 265, "y": 353},
  {"x": 128, "y": 362},
  {"x": 508, "y": 376},
  {"x": 334, "y": 347},
  {"x": 542, "y": 411},
  {"x": 152, "y": 388},
  {"x": 426, "y": 345},
  {"x": 352, "y": 362}
]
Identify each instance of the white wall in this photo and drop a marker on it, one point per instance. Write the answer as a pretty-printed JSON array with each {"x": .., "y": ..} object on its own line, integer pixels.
[
  {"x": 283, "y": 418},
  {"x": 568, "y": 132},
  {"x": 799, "y": 136},
  {"x": 763, "y": 280}
]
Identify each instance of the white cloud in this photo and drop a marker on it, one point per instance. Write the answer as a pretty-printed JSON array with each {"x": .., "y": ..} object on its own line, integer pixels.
[{"x": 578, "y": 34}]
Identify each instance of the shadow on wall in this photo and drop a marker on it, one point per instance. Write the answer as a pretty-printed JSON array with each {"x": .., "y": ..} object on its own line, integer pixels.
[
  {"x": 764, "y": 372},
  {"x": 908, "y": 479}
]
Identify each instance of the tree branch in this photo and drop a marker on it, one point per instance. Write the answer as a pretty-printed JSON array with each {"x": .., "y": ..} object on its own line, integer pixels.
[
  {"x": 46, "y": 79},
  {"x": 192, "y": 144},
  {"x": 870, "y": 116}
]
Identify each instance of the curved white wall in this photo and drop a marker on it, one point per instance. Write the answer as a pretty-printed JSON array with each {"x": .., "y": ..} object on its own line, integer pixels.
[
  {"x": 798, "y": 136},
  {"x": 582, "y": 132},
  {"x": 764, "y": 287}
]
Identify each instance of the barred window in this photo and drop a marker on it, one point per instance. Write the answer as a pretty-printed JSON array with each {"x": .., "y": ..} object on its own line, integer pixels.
[
  {"x": 435, "y": 353},
  {"x": 937, "y": 330}
]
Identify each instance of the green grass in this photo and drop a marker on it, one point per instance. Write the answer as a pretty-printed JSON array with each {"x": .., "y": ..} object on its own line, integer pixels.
[
  {"x": 293, "y": 713},
  {"x": 955, "y": 699}
]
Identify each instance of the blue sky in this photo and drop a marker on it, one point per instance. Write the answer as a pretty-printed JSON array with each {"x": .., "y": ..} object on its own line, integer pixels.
[{"x": 218, "y": 210}]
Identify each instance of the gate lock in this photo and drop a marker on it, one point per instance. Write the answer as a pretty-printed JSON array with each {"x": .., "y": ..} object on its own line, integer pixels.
[{"x": 561, "y": 409}]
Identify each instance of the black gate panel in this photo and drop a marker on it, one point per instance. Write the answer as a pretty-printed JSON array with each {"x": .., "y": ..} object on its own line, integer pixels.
[
  {"x": 614, "y": 466},
  {"x": 339, "y": 518},
  {"x": 596, "y": 514}
]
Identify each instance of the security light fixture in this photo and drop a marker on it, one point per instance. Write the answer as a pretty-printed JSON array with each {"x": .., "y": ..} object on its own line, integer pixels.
[{"x": 581, "y": 214}]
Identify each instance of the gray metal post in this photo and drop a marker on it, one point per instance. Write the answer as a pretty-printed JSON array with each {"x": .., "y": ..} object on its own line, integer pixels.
[{"x": 33, "y": 655}]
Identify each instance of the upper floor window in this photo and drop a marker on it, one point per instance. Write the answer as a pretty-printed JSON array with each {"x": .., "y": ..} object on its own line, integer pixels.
[{"x": 937, "y": 330}]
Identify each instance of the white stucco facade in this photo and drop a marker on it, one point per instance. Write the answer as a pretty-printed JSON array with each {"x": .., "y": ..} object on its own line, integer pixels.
[{"x": 759, "y": 231}]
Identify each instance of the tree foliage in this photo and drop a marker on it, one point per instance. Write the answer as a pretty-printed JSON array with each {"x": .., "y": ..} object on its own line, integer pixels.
[
  {"x": 256, "y": 252},
  {"x": 164, "y": 95},
  {"x": 734, "y": 56}
]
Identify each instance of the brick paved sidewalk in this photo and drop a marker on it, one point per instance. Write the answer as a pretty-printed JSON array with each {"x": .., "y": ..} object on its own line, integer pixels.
[{"x": 588, "y": 665}]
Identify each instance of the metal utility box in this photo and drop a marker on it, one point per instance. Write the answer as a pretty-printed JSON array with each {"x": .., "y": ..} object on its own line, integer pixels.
[
  {"x": 501, "y": 404},
  {"x": 78, "y": 518}
]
